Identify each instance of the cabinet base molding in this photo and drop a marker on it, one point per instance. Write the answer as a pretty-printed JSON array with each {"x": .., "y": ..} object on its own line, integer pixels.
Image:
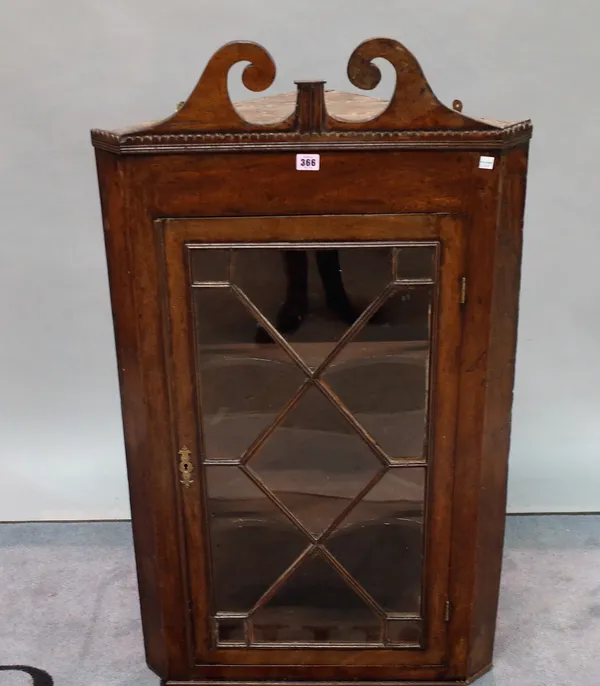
[{"x": 461, "y": 682}]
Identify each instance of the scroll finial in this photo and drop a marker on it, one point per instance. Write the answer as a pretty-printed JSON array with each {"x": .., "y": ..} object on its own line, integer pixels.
[
  {"x": 209, "y": 107},
  {"x": 413, "y": 104}
]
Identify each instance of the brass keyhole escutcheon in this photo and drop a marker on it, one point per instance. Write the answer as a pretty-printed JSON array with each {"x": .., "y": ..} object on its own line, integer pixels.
[{"x": 185, "y": 466}]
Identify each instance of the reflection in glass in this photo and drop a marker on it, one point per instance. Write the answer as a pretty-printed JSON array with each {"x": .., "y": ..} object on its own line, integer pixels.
[
  {"x": 315, "y": 462},
  {"x": 252, "y": 541},
  {"x": 312, "y": 296},
  {"x": 406, "y": 631},
  {"x": 230, "y": 630},
  {"x": 316, "y": 605},
  {"x": 243, "y": 385},
  {"x": 210, "y": 265},
  {"x": 380, "y": 542},
  {"x": 382, "y": 374},
  {"x": 416, "y": 262}
]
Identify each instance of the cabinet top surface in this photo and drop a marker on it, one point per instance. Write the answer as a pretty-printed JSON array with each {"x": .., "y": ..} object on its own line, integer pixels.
[
  {"x": 313, "y": 116},
  {"x": 339, "y": 104}
]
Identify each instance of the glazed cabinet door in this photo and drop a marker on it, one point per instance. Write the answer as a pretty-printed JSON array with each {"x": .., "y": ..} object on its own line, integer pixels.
[{"x": 313, "y": 366}]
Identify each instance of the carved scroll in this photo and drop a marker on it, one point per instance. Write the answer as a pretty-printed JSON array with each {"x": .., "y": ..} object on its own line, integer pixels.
[
  {"x": 209, "y": 107},
  {"x": 413, "y": 105}
]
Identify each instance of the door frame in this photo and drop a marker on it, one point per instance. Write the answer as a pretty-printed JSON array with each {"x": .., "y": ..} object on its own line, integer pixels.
[{"x": 450, "y": 230}]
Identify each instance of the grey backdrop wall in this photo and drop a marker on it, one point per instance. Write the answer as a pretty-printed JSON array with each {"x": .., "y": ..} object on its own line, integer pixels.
[{"x": 69, "y": 65}]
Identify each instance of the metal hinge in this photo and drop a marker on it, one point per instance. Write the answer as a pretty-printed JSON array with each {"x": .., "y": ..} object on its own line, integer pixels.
[
  {"x": 463, "y": 290},
  {"x": 447, "y": 611}
]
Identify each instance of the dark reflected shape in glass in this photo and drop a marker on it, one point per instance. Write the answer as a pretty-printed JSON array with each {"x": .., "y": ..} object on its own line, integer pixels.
[
  {"x": 230, "y": 630},
  {"x": 380, "y": 541},
  {"x": 243, "y": 385},
  {"x": 312, "y": 296},
  {"x": 416, "y": 262},
  {"x": 210, "y": 264},
  {"x": 404, "y": 631},
  {"x": 316, "y": 605},
  {"x": 382, "y": 374},
  {"x": 252, "y": 541},
  {"x": 315, "y": 462},
  {"x": 366, "y": 273}
]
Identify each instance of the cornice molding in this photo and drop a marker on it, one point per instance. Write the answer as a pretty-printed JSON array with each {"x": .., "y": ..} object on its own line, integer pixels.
[{"x": 145, "y": 143}]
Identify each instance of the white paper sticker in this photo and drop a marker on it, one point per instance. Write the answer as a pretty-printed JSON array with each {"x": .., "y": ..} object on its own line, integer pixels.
[
  {"x": 308, "y": 162},
  {"x": 486, "y": 162}
]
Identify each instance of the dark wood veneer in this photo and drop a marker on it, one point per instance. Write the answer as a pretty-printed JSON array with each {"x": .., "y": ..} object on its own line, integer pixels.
[{"x": 218, "y": 173}]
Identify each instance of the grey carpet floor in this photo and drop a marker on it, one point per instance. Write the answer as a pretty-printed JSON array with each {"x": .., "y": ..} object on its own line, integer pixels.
[{"x": 68, "y": 604}]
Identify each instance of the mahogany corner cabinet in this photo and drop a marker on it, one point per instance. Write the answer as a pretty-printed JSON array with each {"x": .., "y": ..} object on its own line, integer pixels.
[{"x": 315, "y": 301}]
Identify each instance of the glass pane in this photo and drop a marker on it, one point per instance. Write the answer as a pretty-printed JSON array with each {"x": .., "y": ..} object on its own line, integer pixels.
[
  {"x": 312, "y": 296},
  {"x": 252, "y": 541},
  {"x": 231, "y": 630},
  {"x": 382, "y": 374},
  {"x": 209, "y": 264},
  {"x": 244, "y": 385},
  {"x": 316, "y": 605},
  {"x": 380, "y": 542},
  {"x": 401, "y": 631},
  {"x": 416, "y": 262},
  {"x": 315, "y": 462}
]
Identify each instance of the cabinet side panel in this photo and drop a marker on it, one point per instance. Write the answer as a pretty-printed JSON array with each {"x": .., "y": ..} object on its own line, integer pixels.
[
  {"x": 156, "y": 454},
  {"x": 112, "y": 198},
  {"x": 482, "y": 195},
  {"x": 498, "y": 406}
]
